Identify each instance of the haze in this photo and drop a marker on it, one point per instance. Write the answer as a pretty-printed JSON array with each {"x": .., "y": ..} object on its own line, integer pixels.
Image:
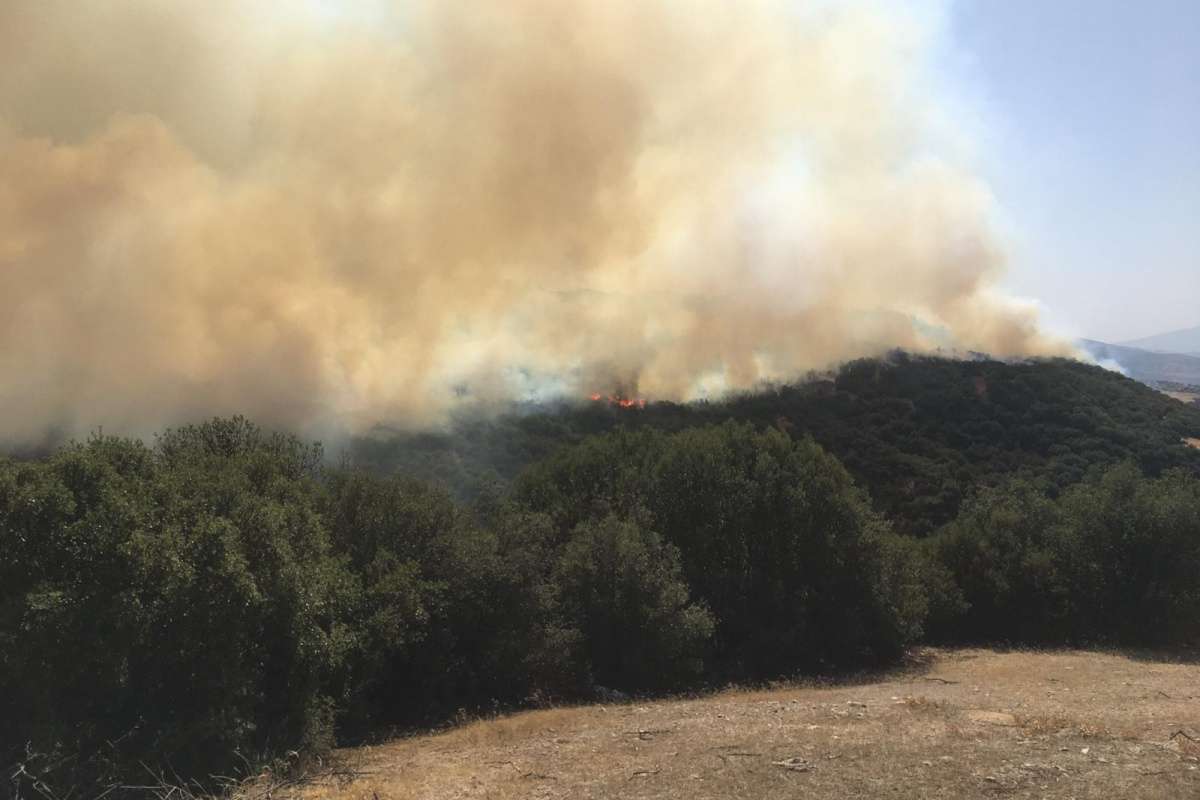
[{"x": 335, "y": 214}]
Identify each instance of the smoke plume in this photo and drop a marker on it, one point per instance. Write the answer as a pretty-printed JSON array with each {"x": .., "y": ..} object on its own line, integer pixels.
[{"x": 316, "y": 216}]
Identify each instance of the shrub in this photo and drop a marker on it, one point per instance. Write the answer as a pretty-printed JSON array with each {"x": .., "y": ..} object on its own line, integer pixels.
[
  {"x": 1135, "y": 543},
  {"x": 1009, "y": 555},
  {"x": 622, "y": 587},
  {"x": 1113, "y": 560},
  {"x": 773, "y": 537},
  {"x": 222, "y": 595},
  {"x": 172, "y": 605},
  {"x": 454, "y": 611}
]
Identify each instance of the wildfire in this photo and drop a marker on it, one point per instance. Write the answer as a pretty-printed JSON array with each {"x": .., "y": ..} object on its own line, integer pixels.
[{"x": 618, "y": 401}]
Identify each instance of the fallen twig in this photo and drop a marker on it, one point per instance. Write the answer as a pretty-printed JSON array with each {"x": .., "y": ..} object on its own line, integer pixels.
[
  {"x": 537, "y": 776},
  {"x": 646, "y": 734}
]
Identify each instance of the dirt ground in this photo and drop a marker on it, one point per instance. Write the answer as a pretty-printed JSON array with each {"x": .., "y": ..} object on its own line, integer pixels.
[{"x": 955, "y": 724}]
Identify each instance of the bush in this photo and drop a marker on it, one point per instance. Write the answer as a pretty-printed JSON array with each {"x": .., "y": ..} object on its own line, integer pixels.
[
  {"x": 222, "y": 597},
  {"x": 1113, "y": 560},
  {"x": 1007, "y": 552},
  {"x": 773, "y": 537},
  {"x": 1135, "y": 547},
  {"x": 455, "y": 610},
  {"x": 622, "y": 588},
  {"x": 172, "y": 605}
]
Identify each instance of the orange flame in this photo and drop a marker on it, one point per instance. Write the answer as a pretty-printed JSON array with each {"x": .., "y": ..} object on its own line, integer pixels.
[{"x": 619, "y": 402}]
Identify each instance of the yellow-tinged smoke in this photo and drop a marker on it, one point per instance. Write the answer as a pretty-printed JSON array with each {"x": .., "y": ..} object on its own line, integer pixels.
[{"x": 314, "y": 217}]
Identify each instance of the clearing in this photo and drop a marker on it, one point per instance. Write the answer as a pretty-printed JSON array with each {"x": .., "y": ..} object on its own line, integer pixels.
[{"x": 956, "y": 723}]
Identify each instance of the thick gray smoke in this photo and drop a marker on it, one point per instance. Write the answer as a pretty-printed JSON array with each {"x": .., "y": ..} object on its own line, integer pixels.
[{"x": 320, "y": 218}]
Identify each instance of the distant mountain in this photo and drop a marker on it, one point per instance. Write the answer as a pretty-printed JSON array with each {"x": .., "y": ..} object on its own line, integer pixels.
[
  {"x": 1146, "y": 366},
  {"x": 1186, "y": 341}
]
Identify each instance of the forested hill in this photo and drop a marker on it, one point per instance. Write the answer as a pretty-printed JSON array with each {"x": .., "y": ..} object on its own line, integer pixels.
[
  {"x": 226, "y": 594},
  {"x": 918, "y": 432}
]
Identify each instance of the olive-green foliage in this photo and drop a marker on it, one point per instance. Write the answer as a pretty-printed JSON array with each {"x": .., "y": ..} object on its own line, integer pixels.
[
  {"x": 453, "y": 613},
  {"x": 623, "y": 587},
  {"x": 174, "y": 604},
  {"x": 920, "y": 434},
  {"x": 774, "y": 538},
  {"x": 1115, "y": 559},
  {"x": 222, "y": 596},
  {"x": 466, "y": 609},
  {"x": 1134, "y": 547},
  {"x": 1008, "y": 552}
]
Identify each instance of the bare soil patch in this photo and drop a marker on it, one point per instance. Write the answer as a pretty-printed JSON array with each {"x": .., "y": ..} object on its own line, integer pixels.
[{"x": 967, "y": 723}]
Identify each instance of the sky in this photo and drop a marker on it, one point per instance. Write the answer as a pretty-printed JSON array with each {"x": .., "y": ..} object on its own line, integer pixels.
[
  {"x": 1087, "y": 116},
  {"x": 1090, "y": 112},
  {"x": 313, "y": 211}
]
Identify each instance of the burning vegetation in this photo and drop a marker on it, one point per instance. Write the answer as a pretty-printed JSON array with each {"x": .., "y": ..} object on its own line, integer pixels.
[{"x": 618, "y": 401}]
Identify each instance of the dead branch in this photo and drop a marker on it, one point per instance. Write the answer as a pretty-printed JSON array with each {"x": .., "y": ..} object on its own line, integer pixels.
[{"x": 646, "y": 734}]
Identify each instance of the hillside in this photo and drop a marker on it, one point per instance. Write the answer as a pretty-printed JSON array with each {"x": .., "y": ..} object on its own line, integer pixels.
[
  {"x": 974, "y": 723},
  {"x": 228, "y": 590},
  {"x": 1182, "y": 341},
  {"x": 920, "y": 433},
  {"x": 1147, "y": 366}
]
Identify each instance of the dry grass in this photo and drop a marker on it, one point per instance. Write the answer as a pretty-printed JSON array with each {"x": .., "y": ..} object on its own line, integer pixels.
[{"x": 971, "y": 723}]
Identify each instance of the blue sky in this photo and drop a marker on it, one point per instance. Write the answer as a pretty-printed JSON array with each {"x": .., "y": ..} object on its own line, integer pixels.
[{"x": 1091, "y": 115}]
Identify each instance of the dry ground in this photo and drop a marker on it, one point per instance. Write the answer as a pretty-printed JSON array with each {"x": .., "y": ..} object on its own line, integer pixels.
[{"x": 973, "y": 723}]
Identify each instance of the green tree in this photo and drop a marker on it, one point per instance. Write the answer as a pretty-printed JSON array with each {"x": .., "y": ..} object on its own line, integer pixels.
[
  {"x": 623, "y": 588},
  {"x": 773, "y": 537},
  {"x": 1011, "y": 558},
  {"x": 169, "y": 605},
  {"x": 1137, "y": 547}
]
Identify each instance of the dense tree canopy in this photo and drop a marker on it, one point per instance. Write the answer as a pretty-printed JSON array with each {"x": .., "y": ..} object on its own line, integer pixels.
[
  {"x": 224, "y": 595},
  {"x": 181, "y": 601},
  {"x": 774, "y": 537},
  {"x": 920, "y": 434}
]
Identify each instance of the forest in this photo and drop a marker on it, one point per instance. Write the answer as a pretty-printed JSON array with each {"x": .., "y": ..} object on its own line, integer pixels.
[
  {"x": 918, "y": 433},
  {"x": 225, "y": 596}
]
